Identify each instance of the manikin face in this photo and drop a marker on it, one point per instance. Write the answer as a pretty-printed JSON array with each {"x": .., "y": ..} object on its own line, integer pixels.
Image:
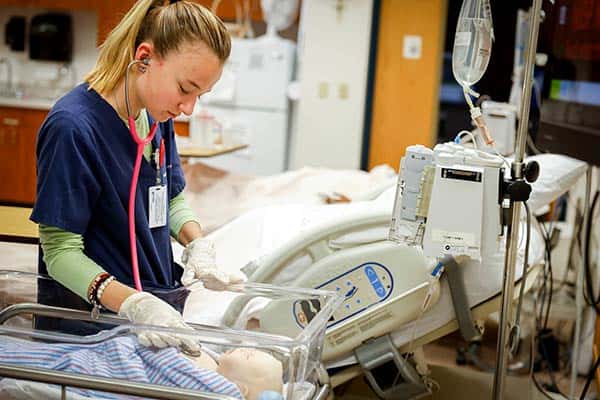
[
  {"x": 252, "y": 370},
  {"x": 171, "y": 85}
]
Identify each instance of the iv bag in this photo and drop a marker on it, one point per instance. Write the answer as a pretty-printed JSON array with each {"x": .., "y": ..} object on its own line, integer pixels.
[{"x": 472, "y": 42}]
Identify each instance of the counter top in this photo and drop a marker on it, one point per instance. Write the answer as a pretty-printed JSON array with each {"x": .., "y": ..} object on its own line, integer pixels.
[
  {"x": 203, "y": 152},
  {"x": 31, "y": 103},
  {"x": 46, "y": 104},
  {"x": 17, "y": 227},
  {"x": 181, "y": 118}
]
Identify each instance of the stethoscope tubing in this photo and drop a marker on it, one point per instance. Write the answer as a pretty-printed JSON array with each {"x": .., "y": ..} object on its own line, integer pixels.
[{"x": 140, "y": 144}]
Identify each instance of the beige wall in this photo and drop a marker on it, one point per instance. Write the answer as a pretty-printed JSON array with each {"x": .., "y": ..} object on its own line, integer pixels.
[{"x": 333, "y": 64}]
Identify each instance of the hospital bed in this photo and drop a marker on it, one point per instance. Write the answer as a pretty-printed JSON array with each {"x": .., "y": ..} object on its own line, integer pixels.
[
  {"x": 290, "y": 245},
  {"x": 20, "y": 296}
]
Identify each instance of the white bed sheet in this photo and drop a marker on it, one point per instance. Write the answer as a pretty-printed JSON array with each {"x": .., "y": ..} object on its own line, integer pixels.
[
  {"x": 558, "y": 174},
  {"x": 218, "y": 197}
]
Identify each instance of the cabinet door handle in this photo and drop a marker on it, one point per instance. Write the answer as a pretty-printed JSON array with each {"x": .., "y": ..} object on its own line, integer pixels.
[{"x": 10, "y": 121}]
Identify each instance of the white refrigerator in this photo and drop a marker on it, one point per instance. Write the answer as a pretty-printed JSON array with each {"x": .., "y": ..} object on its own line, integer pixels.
[{"x": 250, "y": 103}]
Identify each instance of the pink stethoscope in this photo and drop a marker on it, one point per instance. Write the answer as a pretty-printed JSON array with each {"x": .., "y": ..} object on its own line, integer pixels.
[{"x": 141, "y": 143}]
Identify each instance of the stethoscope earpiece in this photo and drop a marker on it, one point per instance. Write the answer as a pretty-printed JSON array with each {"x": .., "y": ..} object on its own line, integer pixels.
[{"x": 145, "y": 62}]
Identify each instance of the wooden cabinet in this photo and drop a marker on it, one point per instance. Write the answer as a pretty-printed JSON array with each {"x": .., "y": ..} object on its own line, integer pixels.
[
  {"x": 110, "y": 12},
  {"x": 18, "y": 131},
  {"x": 18, "y": 134},
  {"x": 52, "y": 4},
  {"x": 182, "y": 128},
  {"x": 227, "y": 8}
]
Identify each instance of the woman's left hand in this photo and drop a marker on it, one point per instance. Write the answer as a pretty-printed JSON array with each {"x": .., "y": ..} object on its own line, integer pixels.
[{"x": 199, "y": 260}]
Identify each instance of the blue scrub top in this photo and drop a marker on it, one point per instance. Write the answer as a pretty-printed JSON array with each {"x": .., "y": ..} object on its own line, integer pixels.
[{"x": 85, "y": 160}]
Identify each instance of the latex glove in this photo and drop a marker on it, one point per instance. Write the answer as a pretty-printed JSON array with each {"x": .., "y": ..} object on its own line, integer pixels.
[
  {"x": 143, "y": 308},
  {"x": 199, "y": 260}
]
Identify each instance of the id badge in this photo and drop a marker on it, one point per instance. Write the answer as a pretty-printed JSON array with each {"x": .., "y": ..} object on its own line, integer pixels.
[{"x": 157, "y": 206}]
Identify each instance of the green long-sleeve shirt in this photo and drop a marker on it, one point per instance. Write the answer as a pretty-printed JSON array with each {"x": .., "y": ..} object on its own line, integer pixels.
[{"x": 64, "y": 251}]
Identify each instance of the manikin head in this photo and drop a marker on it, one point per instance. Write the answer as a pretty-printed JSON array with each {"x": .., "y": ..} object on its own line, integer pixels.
[{"x": 253, "y": 371}]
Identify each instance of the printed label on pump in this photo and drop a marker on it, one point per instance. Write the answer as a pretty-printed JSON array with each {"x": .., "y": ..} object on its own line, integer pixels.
[
  {"x": 454, "y": 238},
  {"x": 462, "y": 39},
  {"x": 157, "y": 206}
]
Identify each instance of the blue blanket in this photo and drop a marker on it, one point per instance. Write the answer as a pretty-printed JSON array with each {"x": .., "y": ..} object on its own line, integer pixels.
[{"x": 121, "y": 357}]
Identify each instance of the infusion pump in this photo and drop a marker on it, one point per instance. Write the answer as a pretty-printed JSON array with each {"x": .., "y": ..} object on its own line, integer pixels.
[{"x": 449, "y": 200}]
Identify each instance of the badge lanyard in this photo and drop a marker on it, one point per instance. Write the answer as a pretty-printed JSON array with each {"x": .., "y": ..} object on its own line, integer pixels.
[
  {"x": 132, "y": 189},
  {"x": 157, "y": 194}
]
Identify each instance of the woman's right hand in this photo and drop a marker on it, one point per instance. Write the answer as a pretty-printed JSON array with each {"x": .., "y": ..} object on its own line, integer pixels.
[{"x": 143, "y": 308}]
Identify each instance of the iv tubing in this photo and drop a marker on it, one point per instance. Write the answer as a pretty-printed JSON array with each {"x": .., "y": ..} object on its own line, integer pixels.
[
  {"x": 434, "y": 278},
  {"x": 476, "y": 115},
  {"x": 467, "y": 91},
  {"x": 465, "y": 132}
]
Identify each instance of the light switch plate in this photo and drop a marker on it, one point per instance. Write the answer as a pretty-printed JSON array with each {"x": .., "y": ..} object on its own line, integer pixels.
[{"x": 412, "y": 47}]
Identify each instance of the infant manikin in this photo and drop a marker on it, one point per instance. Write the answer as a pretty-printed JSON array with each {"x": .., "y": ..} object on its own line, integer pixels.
[
  {"x": 203, "y": 360},
  {"x": 253, "y": 371}
]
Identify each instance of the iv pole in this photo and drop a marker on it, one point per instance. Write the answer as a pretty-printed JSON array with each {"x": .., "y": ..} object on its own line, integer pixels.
[{"x": 512, "y": 238}]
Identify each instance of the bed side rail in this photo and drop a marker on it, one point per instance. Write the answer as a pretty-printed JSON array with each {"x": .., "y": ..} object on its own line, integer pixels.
[
  {"x": 57, "y": 312},
  {"x": 111, "y": 385}
]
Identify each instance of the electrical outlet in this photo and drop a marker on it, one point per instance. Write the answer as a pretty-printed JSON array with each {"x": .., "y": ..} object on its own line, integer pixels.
[
  {"x": 412, "y": 47},
  {"x": 323, "y": 90},
  {"x": 343, "y": 91}
]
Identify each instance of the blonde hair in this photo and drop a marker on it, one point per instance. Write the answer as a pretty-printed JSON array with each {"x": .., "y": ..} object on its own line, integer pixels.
[{"x": 167, "y": 25}]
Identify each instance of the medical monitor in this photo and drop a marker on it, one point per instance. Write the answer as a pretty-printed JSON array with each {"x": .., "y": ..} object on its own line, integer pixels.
[{"x": 570, "y": 113}]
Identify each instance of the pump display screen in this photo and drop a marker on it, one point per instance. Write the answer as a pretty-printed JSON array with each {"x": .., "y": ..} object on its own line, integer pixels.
[
  {"x": 573, "y": 30},
  {"x": 577, "y": 30}
]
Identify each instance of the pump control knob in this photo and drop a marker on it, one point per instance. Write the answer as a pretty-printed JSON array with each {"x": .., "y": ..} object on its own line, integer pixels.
[{"x": 532, "y": 171}]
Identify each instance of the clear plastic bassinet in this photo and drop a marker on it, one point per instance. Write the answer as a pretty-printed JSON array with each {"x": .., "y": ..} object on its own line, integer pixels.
[{"x": 286, "y": 323}]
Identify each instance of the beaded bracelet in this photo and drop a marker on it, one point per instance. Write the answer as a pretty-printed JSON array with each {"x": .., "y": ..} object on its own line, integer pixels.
[
  {"x": 94, "y": 287},
  {"x": 101, "y": 288}
]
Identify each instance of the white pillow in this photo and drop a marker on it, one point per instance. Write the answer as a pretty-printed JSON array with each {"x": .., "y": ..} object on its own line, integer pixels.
[{"x": 558, "y": 174}]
